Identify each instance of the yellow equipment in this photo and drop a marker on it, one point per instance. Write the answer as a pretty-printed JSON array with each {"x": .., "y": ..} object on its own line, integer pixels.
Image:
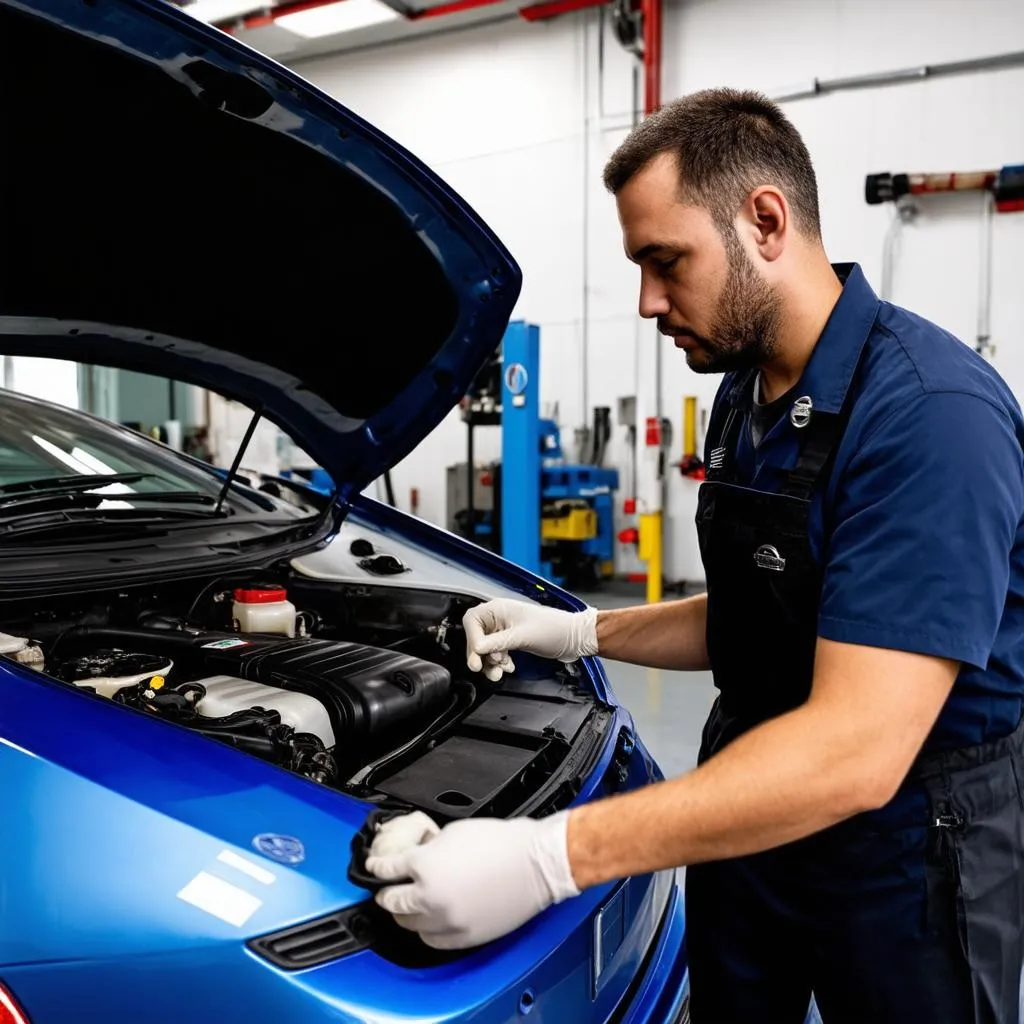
[{"x": 568, "y": 520}]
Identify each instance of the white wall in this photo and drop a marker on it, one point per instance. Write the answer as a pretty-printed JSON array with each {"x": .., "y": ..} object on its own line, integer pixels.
[
  {"x": 52, "y": 379},
  {"x": 520, "y": 117}
]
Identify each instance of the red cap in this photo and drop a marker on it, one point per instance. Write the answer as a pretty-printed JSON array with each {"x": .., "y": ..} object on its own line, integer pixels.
[{"x": 260, "y": 596}]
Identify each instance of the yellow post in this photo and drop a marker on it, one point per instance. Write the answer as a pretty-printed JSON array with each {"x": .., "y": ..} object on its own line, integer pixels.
[
  {"x": 649, "y": 550},
  {"x": 689, "y": 426}
]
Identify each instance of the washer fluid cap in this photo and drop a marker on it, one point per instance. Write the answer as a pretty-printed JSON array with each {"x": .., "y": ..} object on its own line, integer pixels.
[{"x": 260, "y": 595}]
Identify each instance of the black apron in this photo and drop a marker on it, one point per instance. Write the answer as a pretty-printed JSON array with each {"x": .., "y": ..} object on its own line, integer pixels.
[{"x": 912, "y": 913}]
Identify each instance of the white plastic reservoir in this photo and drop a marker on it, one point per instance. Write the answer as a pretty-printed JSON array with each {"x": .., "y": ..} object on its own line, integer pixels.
[
  {"x": 227, "y": 694},
  {"x": 263, "y": 610}
]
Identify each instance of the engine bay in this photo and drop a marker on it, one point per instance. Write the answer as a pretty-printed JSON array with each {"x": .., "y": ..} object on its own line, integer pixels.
[{"x": 359, "y": 688}]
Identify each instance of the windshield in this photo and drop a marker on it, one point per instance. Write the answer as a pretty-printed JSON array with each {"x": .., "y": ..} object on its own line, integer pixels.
[{"x": 45, "y": 448}]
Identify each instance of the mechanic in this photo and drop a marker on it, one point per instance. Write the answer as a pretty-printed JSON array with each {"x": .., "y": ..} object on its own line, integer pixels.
[{"x": 854, "y": 827}]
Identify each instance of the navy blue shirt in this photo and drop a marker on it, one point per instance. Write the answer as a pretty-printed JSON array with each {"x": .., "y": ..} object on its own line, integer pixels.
[{"x": 924, "y": 550}]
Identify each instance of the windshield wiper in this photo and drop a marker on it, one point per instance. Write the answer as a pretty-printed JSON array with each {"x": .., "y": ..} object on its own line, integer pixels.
[
  {"x": 123, "y": 522},
  {"x": 71, "y": 484},
  {"x": 170, "y": 497},
  {"x": 27, "y": 504}
]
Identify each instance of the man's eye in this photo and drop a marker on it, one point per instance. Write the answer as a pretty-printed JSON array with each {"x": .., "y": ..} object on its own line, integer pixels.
[{"x": 665, "y": 266}]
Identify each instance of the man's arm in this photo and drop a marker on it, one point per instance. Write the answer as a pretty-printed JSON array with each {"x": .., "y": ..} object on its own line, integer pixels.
[
  {"x": 845, "y": 751},
  {"x": 671, "y": 635}
]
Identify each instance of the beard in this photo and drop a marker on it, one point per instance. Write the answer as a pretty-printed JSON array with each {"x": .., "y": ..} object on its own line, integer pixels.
[{"x": 745, "y": 327}]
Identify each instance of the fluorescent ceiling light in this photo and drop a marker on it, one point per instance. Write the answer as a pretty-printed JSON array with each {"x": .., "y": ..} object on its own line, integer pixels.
[
  {"x": 341, "y": 16},
  {"x": 224, "y": 10}
]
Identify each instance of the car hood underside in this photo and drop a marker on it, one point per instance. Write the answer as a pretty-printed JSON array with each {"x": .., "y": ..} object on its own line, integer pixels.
[{"x": 187, "y": 208}]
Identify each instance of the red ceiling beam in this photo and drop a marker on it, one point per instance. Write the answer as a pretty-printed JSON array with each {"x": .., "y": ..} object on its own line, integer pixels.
[
  {"x": 271, "y": 14},
  {"x": 553, "y": 8},
  {"x": 533, "y": 12},
  {"x": 455, "y": 7}
]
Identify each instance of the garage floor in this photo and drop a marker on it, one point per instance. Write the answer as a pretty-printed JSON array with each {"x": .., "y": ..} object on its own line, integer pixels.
[{"x": 669, "y": 707}]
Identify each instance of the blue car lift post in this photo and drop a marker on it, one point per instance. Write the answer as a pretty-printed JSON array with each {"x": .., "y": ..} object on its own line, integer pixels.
[
  {"x": 521, "y": 446},
  {"x": 526, "y": 483}
]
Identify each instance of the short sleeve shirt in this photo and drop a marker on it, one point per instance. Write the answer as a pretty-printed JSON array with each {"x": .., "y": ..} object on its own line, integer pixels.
[{"x": 920, "y": 527}]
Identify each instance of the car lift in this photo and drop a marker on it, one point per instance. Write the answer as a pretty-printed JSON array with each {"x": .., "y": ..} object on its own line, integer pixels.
[{"x": 552, "y": 517}]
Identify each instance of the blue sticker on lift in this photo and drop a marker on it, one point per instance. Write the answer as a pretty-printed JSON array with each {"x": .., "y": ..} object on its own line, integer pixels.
[
  {"x": 516, "y": 378},
  {"x": 223, "y": 645}
]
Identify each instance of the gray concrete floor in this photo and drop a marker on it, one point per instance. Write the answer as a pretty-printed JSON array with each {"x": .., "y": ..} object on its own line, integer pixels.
[{"x": 669, "y": 707}]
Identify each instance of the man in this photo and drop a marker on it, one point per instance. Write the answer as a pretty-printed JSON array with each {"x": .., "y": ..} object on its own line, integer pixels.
[{"x": 855, "y": 826}]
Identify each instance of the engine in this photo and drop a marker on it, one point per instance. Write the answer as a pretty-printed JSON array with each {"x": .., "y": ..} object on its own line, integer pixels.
[
  {"x": 360, "y": 688},
  {"x": 311, "y": 705}
]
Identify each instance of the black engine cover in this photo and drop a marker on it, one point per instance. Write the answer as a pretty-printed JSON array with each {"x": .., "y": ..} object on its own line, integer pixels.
[{"x": 367, "y": 690}]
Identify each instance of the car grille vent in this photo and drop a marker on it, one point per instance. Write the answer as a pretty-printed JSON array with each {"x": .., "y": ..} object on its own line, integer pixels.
[{"x": 317, "y": 942}]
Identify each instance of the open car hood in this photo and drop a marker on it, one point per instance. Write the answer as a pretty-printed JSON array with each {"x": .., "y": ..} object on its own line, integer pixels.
[{"x": 176, "y": 204}]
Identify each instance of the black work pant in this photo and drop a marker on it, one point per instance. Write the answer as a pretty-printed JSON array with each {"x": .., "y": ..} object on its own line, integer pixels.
[{"x": 911, "y": 913}]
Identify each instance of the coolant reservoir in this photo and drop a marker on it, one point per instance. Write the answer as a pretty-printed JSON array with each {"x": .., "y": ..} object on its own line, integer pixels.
[{"x": 264, "y": 610}]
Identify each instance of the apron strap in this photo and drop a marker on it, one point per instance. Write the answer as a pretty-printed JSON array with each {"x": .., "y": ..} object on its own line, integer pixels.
[{"x": 823, "y": 434}]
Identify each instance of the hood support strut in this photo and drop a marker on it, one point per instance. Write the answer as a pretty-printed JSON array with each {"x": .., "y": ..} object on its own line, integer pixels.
[{"x": 239, "y": 455}]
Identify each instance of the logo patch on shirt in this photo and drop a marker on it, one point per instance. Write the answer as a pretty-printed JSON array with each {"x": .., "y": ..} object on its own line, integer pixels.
[
  {"x": 717, "y": 458},
  {"x": 800, "y": 414},
  {"x": 768, "y": 557}
]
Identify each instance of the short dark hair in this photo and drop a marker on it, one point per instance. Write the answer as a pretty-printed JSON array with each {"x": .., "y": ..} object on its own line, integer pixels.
[{"x": 727, "y": 142}]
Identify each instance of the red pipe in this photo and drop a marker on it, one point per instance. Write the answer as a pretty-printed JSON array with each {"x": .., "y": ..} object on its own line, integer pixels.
[{"x": 651, "y": 10}]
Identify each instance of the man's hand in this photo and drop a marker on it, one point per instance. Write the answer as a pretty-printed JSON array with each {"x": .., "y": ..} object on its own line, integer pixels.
[
  {"x": 495, "y": 628},
  {"x": 399, "y": 835},
  {"x": 472, "y": 881}
]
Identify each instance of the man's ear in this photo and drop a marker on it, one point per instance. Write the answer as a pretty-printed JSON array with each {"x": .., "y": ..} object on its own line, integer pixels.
[{"x": 766, "y": 219}]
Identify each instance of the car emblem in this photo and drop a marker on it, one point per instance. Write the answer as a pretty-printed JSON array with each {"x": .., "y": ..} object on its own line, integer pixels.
[
  {"x": 768, "y": 557},
  {"x": 284, "y": 849}
]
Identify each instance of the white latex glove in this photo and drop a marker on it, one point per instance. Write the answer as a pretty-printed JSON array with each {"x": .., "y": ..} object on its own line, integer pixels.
[
  {"x": 475, "y": 880},
  {"x": 497, "y": 627},
  {"x": 400, "y": 835}
]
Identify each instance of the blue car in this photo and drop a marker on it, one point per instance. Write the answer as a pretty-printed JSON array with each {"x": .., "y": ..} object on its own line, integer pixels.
[{"x": 210, "y": 690}]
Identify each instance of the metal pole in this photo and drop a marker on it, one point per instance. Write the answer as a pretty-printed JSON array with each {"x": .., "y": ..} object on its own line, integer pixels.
[
  {"x": 585, "y": 360},
  {"x": 819, "y": 87},
  {"x": 906, "y": 211},
  {"x": 471, "y": 481},
  {"x": 651, "y": 515},
  {"x": 984, "y": 342}
]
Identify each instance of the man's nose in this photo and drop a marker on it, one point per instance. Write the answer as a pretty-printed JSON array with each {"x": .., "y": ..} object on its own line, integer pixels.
[{"x": 653, "y": 297}]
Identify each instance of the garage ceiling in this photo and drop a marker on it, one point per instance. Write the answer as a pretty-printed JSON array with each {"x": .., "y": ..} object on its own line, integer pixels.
[{"x": 297, "y": 29}]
